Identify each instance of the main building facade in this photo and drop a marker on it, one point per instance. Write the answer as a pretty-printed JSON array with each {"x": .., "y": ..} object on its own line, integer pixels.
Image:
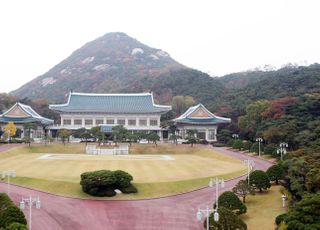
[{"x": 136, "y": 112}]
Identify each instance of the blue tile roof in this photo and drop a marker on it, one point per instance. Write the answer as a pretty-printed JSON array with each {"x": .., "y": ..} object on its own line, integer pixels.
[
  {"x": 211, "y": 120},
  {"x": 111, "y": 103},
  {"x": 33, "y": 116}
]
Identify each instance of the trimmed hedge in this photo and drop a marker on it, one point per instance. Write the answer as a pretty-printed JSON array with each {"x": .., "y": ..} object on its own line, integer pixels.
[
  {"x": 130, "y": 189},
  {"x": 104, "y": 182}
]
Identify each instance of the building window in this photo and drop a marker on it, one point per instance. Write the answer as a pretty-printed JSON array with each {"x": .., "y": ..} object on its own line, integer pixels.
[
  {"x": 110, "y": 121},
  {"x": 143, "y": 122},
  {"x": 88, "y": 122},
  {"x": 99, "y": 121},
  {"x": 153, "y": 122},
  {"x": 67, "y": 121},
  {"x": 132, "y": 122},
  {"x": 77, "y": 121},
  {"x": 121, "y": 122},
  {"x": 211, "y": 135}
]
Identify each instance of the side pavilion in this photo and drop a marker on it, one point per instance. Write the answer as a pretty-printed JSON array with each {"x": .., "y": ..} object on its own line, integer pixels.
[
  {"x": 21, "y": 114},
  {"x": 201, "y": 119}
]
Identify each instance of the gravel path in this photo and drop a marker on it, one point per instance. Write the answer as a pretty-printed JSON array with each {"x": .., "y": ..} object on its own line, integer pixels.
[{"x": 169, "y": 213}]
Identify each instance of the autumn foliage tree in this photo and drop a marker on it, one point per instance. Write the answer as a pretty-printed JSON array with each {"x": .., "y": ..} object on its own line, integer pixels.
[
  {"x": 10, "y": 130},
  {"x": 242, "y": 189}
]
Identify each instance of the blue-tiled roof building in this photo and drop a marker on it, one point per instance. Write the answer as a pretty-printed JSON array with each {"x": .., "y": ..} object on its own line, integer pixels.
[
  {"x": 136, "y": 111},
  {"x": 21, "y": 114},
  {"x": 201, "y": 119}
]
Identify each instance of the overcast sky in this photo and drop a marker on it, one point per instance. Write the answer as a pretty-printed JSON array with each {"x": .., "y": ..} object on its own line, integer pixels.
[{"x": 216, "y": 36}]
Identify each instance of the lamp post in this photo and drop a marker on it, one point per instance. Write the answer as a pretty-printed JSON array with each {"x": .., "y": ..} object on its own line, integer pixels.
[
  {"x": 9, "y": 134},
  {"x": 8, "y": 173},
  {"x": 207, "y": 211},
  {"x": 283, "y": 198},
  {"x": 213, "y": 182},
  {"x": 235, "y": 136},
  {"x": 259, "y": 140},
  {"x": 250, "y": 165},
  {"x": 30, "y": 201},
  {"x": 282, "y": 150}
]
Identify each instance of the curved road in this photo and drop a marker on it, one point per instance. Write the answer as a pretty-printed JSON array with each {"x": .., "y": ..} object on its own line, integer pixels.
[{"x": 169, "y": 213}]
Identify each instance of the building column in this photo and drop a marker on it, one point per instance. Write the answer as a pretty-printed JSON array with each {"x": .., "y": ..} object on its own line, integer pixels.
[
  {"x": 207, "y": 135},
  {"x": 160, "y": 135}
]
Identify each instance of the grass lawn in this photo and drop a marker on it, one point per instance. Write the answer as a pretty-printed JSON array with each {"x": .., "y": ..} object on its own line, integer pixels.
[
  {"x": 189, "y": 169},
  {"x": 262, "y": 209}
]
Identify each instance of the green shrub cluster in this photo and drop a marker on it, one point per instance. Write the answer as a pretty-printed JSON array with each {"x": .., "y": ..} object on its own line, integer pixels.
[
  {"x": 104, "y": 182},
  {"x": 238, "y": 144},
  {"x": 10, "y": 215},
  {"x": 259, "y": 180},
  {"x": 232, "y": 202}
]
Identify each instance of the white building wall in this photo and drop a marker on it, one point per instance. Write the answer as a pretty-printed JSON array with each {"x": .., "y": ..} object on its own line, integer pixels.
[
  {"x": 115, "y": 117},
  {"x": 200, "y": 128}
]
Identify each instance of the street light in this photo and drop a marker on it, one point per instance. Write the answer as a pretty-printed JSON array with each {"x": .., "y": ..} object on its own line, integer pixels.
[
  {"x": 207, "y": 213},
  {"x": 259, "y": 140},
  {"x": 250, "y": 165},
  {"x": 8, "y": 173},
  {"x": 9, "y": 134},
  {"x": 30, "y": 201},
  {"x": 235, "y": 136},
  {"x": 283, "y": 198},
  {"x": 213, "y": 182},
  {"x": 282, "y": 150}
]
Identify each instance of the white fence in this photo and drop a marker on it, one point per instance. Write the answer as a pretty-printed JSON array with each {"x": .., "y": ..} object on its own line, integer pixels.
[{"x": 122, "y": 150}]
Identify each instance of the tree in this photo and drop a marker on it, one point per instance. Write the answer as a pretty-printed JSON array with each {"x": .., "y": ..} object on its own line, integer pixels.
[
  {"x": 259, "y": 180},
  {"x": 191, "y": 136},
  {"x": 253, "y": 116},
  {"x": 255, "y": 148},
  {"x": 304, "y": 215},
  {"x": 132, "y": 137},
  {"x": 247, "y": 145},
  {"x": 153, "y": 137},
  {"x": 181, "y": 103},
  {"x": 230, "y": 201},
  {"x": 10, "y": 130},
  {"x": 224, "y": 135},
  {"x": 119, "y": 133},
  {"x": 242, "y": 189},
  {"x": 27, "y": 131},
  {"x": 275, "y": 173},
  {"x": 296, "y": 170},
  {"x": 16, "y": 226},
  {"x": 238, "y": 144},
  {"x": 97, "y": 134},
  {"x": 12, "y": 214},
  {"x": 227, "y": 221},
  {"x": 173, "y": 129},
  {"x": 83, "y": 133},
  {"x": 141, "y": 135},
  {"x": 64, "y": 134}
]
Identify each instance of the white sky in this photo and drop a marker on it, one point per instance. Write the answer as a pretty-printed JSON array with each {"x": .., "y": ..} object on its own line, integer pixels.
[{"x": 216, "y": 36}]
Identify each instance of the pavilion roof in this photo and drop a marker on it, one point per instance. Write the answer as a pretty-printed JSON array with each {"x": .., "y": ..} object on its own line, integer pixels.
[
  {"x": 200, "y": 115},
  {"x": 21, "y": 113}
]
